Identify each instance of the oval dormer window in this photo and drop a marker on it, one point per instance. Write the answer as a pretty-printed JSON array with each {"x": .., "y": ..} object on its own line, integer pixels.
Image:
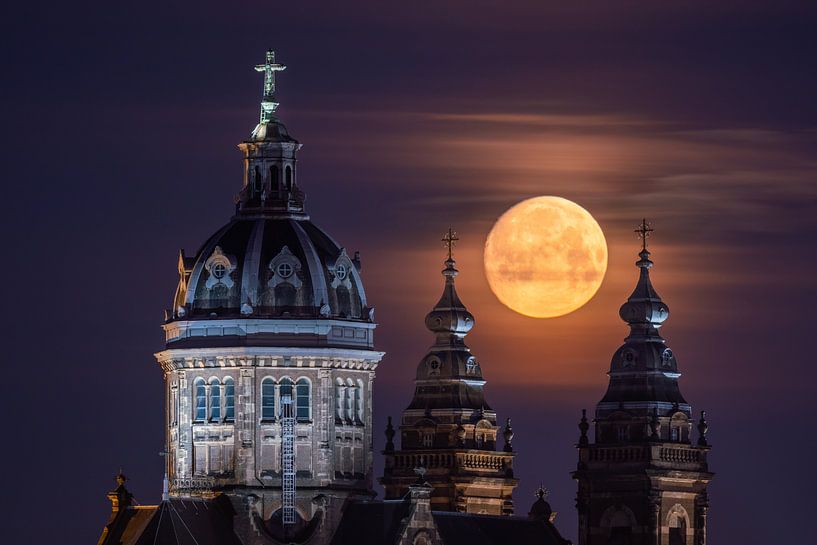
[
  {"x": 285, "y": 270},
  {"x": 219, "y": 270},
  {"x": 340, "y": 272}
]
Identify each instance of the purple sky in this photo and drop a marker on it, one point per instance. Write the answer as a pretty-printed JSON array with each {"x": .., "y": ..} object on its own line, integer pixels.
[{"x": 119, "y": 134}]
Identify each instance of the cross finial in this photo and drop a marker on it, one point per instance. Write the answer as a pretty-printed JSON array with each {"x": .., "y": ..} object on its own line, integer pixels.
[
  {"x": 268, "y": 104},
  {"x": 450, "y": 240},
  {"x": 643, "y": 233}
]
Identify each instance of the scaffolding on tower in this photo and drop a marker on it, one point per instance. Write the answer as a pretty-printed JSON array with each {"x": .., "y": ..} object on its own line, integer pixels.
[{"x": 288, "y": 458}]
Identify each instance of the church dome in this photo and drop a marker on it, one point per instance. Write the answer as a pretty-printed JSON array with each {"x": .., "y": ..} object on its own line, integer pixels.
[
  {"x": 270, "y": 261},
  {"x": 270, "y": 266}
]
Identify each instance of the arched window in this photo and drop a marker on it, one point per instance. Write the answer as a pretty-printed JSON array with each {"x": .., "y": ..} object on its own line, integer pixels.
[
  {"x": 340, "y": 403},
  {"x": 289, "y": 177},
  {"x": 268, "y": 399},
  {"x": 302, "y": 400},
  {"x": 350, "y": 400},
  {"x": 215, "y": 400},
  {"x": 284, "y": 295},
  {"x": 229, "y": 400},
  {"x": 258, "y": 182},
  {"x": 677, "y": 522},
  {"x": 359, "y": 402},
  {"x": 200, "y": 393},
  {"x": 344, "y": 301},
  {"x": 273, "y": 178}
]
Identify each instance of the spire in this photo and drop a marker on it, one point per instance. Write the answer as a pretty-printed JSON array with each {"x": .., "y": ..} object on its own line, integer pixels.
[
  {"x": 269, "y": 68},
  {"x": 644, "y": 309},
  {"x": 449, "y": 319},
  {"x": 643, "y": 371}
]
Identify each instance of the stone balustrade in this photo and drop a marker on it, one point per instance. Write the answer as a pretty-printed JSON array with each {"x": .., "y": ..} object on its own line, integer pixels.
[
  {"x": 656, "y": 454},
  {"x": 465, "y": 461}
]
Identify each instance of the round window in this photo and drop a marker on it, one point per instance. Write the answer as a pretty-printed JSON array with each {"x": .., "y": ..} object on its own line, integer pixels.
[
  {"x": 284, "y": 270},
  {"x": 340, "y": 272},
  {"x": 218, "y": 270}
]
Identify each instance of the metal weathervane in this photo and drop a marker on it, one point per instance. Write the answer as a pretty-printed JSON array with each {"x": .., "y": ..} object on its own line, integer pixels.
[{"x": 270, "y": 67}]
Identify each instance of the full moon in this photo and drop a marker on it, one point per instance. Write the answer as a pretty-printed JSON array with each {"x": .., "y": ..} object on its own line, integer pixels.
[{"x": 545, "y": 257}]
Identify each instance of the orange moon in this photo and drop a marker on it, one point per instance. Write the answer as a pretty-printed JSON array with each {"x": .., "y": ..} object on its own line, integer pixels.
[{"x": 545, "y": 257}]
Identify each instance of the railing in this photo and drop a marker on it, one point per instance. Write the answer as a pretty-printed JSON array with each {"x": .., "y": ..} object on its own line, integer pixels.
[
  {"x": 659, "y": 454},
  {"x": 459, "y": 460},
  {"x": 619, "y": 454},
  {"x": 192, "y": 486},
  {"x": 681, "y": 455}
]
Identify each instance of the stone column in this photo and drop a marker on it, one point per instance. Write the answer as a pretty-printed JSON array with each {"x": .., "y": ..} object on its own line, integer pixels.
[
  {"x": 185, "y": 449},
  {"x": 245, "y": 418},
  {"x": 655, "y": 518},
  {"x": 324, "y": 422},
  {"x": 701, "y": 510}
]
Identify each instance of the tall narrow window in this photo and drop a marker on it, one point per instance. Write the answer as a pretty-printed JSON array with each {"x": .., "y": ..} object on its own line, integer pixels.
[
  {"x": 289, "y": 178},
  {"x": 340, "y": 403},
  {"x": 200, "y": 391},
  {"x": 286, "y": 388},
  {"x": 273, "y": 179},
  {"x": 285, "y": 295},
  {"x": 268, "y": 399},
  {"x": 344, "y": 301},
  {"x": 229, "y": 400},
  {"x": 302, "y": 400},
  {"x": 359, "y": 402},
  {"x": 350, "y": 400},
  {"x": 215, "y": 400}
]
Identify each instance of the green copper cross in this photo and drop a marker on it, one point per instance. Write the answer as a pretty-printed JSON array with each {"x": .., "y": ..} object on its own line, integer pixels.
[{"x": 268, "y": 104}]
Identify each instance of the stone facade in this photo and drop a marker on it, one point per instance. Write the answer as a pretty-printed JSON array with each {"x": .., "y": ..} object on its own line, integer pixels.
[{"x": 270, "y": 309}]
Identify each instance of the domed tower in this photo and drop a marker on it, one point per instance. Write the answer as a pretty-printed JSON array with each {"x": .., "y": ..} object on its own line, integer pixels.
[
  {"x": 643, "y": 481},
  {"x": 448, "y": 433},
  {"x": 269, "y": 360}
]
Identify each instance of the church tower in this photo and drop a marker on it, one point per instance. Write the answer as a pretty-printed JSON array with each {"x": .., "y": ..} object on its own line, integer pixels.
[
  {"x": 448, "y": 433},
  {"x": 269, "y": 360},
  {"x": 643, "y": 480}
]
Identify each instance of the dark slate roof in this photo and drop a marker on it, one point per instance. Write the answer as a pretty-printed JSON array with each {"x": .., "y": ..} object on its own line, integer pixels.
[
  {"x": 372, "y": 523},
  {"x": 175, "y": 522},
  {"x": 251, "y": 244},
  {"x": 469, "y": 529}
]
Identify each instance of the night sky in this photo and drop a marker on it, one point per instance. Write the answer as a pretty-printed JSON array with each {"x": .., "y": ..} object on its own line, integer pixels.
[{"x": 119, "y": 133}]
